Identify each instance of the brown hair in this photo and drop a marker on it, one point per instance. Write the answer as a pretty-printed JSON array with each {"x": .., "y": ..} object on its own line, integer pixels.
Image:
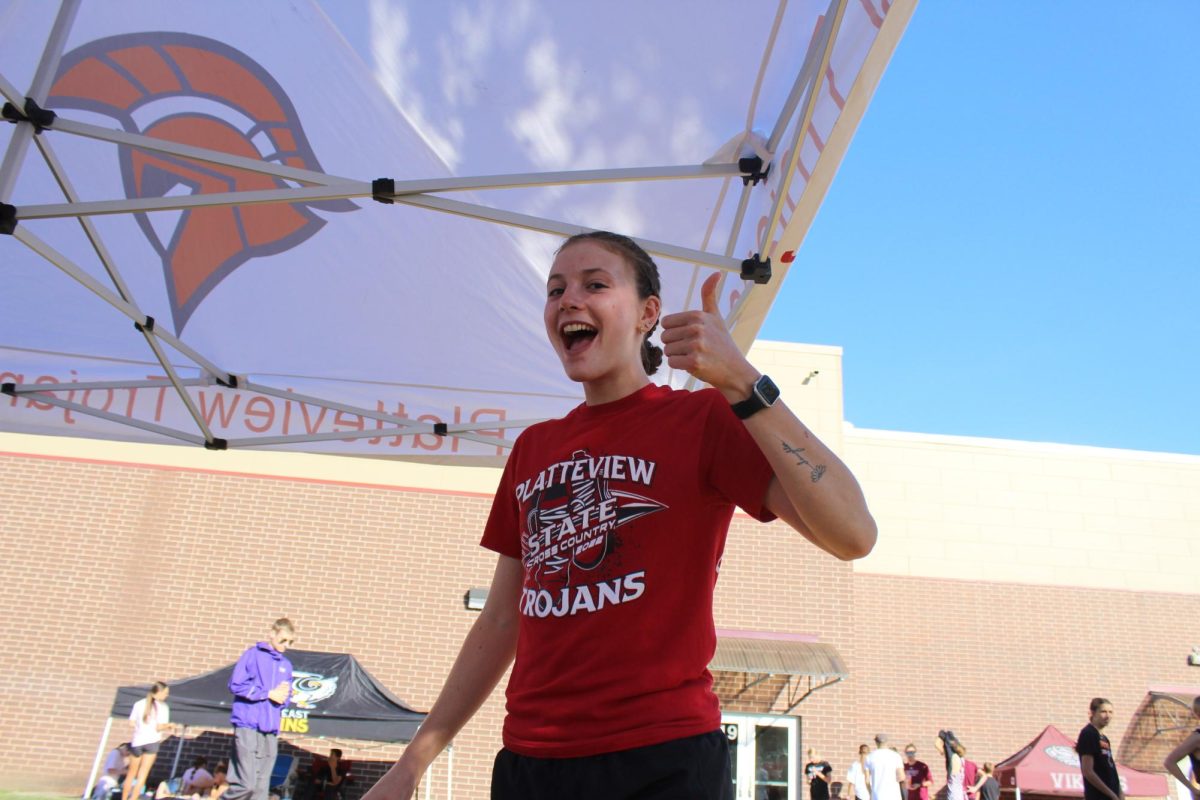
[
  {"x": 151, "y": 703},
  {"x": 1097, "y": 702},
  {"x": 283, "y": 624},
  {"x": 645, "y": 271}
]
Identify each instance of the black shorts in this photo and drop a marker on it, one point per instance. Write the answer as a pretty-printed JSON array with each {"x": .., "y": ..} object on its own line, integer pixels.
[
  {"x": 143, "y": 749},
  {"x": 695, "y": 768}
]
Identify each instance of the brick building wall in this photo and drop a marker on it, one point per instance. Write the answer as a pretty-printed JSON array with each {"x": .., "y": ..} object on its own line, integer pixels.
[
  {"x": 997, "y": 662},
  {"x": 116, "y": 573}
]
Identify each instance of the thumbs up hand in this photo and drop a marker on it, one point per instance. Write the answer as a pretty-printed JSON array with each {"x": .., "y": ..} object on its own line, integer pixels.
[{"x": 698, "y": 343}]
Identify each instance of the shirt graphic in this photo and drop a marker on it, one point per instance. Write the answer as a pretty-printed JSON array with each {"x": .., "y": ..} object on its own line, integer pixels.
[{"x": 571, "y": 517}]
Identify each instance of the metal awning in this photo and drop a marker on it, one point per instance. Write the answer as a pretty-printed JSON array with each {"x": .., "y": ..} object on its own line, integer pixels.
[
  {"x": 1161, "y": 722},
  {"x": 756, "y": 669},
  {"x": 778, "y": 657}
]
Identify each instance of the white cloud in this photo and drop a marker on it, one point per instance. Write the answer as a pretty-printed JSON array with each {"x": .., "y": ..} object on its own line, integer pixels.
[{"x": 397, "y": 66}]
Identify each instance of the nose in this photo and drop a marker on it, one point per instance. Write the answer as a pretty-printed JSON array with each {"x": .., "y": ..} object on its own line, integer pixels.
[{"x": 568, "y": 299}]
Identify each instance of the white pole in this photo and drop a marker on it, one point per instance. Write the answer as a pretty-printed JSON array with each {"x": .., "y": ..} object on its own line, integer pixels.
[
  {"x": 96, "y": 761},
  {"x": 178, "y": 752}
]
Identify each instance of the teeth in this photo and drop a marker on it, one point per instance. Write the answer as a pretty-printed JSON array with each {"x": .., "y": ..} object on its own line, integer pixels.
[{"x": 577, "y": 327}]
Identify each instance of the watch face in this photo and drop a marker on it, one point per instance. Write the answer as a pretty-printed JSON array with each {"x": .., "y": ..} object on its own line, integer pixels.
[{"x": 767, "y": 390}]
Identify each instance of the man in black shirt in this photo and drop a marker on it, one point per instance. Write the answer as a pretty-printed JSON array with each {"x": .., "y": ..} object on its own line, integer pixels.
[
  {"x": 818, "y": 773},
  {"x": 1100, "y": 779}
]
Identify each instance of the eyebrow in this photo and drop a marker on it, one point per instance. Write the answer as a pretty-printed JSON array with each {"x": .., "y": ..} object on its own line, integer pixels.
[{"x": 587, "y": 271}]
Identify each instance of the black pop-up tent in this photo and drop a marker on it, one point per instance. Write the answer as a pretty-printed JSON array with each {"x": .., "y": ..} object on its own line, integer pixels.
[{"x": 332, "y": 697}]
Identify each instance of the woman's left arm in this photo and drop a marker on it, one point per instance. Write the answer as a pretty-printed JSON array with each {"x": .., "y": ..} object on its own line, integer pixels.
[{"x": 812, "y": 490}]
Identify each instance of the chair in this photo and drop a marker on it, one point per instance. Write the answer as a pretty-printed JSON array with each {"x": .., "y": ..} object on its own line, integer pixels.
[{"x": 283, "y": 776}]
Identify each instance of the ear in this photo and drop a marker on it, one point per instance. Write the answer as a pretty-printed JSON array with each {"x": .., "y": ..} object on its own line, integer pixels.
[{"x": 650, "y": 311}]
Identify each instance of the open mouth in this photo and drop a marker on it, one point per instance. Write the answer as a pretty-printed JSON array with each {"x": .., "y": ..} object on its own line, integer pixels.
[{"x": 577, "y": 335}]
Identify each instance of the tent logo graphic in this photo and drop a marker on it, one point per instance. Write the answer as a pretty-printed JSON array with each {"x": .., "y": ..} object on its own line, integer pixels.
[
  {"x": 1063, "y": 754},
  {"x": 310, "y": 688},
  {"x": 196, "y": 91}
]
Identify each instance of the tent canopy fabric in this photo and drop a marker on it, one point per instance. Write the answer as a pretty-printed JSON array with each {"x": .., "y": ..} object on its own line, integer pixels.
[
  {"x": 241, "y": 240},
  {"x": 1049, "y": 765},
  {"x": 332, "y": 697}
]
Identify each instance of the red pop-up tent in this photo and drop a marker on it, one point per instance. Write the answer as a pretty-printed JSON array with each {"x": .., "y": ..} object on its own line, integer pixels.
[{"x": 1049, "y": 765}]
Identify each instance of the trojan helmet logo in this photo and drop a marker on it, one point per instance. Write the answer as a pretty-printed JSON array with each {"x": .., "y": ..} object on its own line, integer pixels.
[
  {"x": 573, "y": 526},
  {"x": 310, "y": 688},
  {"x": 200, "y": 92}
]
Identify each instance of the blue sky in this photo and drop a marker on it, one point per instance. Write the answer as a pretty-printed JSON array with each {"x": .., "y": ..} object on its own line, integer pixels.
[{"x": 1030, "y": 178}]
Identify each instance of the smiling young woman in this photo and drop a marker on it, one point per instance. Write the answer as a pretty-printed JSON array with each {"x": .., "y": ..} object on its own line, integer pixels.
[{"x": 609, "y": 525}]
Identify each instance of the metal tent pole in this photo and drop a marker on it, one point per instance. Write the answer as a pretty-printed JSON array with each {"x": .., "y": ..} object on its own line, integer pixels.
[
  {"x": 23, "y": 135},
  {"x": 91, "y": 783},
  {"x": 178, "y": 753}
]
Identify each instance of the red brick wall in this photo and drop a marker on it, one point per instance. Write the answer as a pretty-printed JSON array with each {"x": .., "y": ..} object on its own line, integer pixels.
[{"x": 116, "y": 574}]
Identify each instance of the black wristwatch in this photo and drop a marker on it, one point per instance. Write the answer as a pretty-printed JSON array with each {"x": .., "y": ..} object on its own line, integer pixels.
[{"x": 763, "y": 395}]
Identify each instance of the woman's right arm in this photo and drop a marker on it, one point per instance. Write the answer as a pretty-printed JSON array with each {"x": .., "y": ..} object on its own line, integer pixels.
[
  {"x": 1171, "y": 763},
  {"x": 485, "y": 654}
]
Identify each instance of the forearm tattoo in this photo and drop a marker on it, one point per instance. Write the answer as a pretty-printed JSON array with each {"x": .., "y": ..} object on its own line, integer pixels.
[{"x": 817, "y": 470}]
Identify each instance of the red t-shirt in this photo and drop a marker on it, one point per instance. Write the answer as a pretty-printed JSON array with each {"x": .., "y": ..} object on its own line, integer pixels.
[
  {"x": 619, "y": 513},
  {"x": 917, "y": 773}
]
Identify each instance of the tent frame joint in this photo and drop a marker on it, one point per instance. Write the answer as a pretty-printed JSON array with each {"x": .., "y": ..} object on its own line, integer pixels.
[
  {"x": 757, "y": 269},
  {"x": 753, "y": 170},
  {"x": 40, "y": 118},
  {"x": 8, "y": 219},
  {"x": 216, "y": 443},
  {"x": 383, "y": 190}
]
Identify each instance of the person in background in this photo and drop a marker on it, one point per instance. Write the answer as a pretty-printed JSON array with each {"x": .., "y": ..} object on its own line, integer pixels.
[
  {"x": 261, "y": 684},
  {"x": 818, "y": 772},
  {"x": 332, "y": 777},
  {"x": 987, "y": 787},
  {"x": 885, "y": 771},
  {"x": 971, "y": 774},
  {"x": 948, "y": 746},
  {"x": 197, "y": 779},
  {"x": 115, "y": 767},
  {"x": 150, "y": 717},
  {"x": 1100, "y": 779},
  {"x": 916, "y": 774},
  {"x": 220, "y": 783},
  {"x": 856, "y": 775},
  {"x": 1189, "y": 748}
]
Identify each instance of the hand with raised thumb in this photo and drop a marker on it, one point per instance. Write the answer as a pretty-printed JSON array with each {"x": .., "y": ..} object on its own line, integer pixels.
[{"x": 698, "y": 343}]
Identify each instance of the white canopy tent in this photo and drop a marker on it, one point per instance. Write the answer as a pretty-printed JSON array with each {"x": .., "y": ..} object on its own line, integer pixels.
[{"x": 229, "y": 232}]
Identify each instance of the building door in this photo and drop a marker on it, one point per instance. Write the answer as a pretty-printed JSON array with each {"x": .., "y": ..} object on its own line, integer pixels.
[{"x": 763, "y": 753}]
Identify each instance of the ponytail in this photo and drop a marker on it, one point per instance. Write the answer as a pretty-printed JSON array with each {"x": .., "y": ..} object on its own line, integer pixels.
[{"x": 151, "y": 708}]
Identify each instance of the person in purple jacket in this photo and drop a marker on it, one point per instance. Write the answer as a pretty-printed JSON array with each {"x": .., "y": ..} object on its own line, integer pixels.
[{"x": 261, "y": 684}]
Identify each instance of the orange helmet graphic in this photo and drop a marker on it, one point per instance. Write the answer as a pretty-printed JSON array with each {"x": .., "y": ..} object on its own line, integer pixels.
[{"x": 196, "y": 91}]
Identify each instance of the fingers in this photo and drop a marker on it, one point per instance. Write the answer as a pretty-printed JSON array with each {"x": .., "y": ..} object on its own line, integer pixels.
[{"x": 708, "y": 293}]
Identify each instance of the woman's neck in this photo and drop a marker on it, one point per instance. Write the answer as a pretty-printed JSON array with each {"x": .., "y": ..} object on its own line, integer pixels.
[{"x": 611, "y": 389}]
